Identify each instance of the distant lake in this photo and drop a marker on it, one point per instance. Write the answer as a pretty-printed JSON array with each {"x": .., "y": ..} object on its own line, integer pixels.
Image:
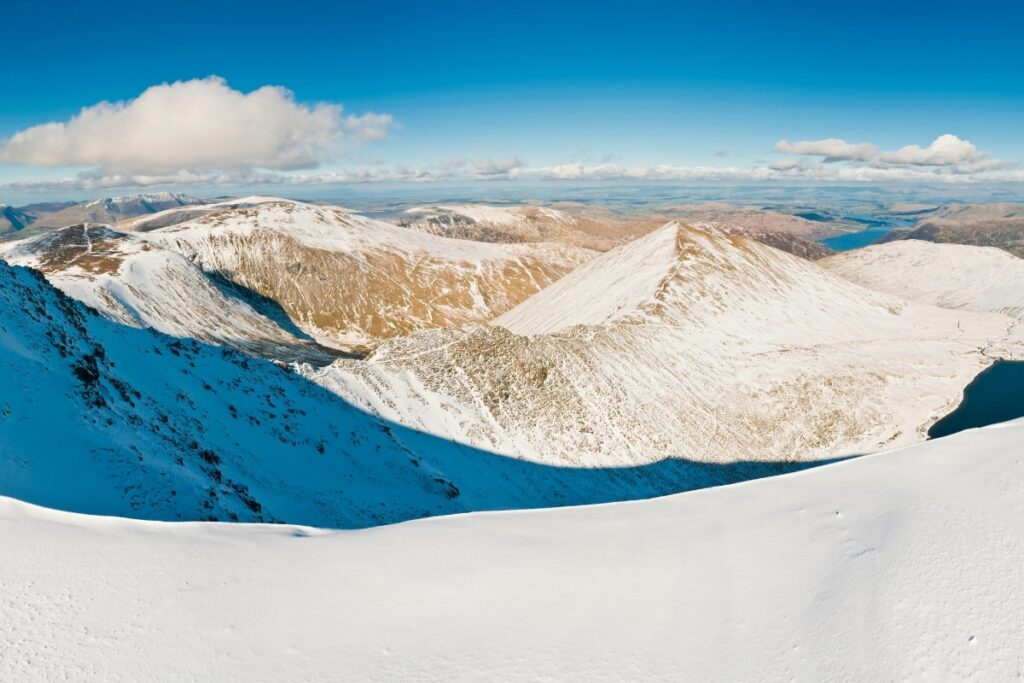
[
  {"x": 855, "y": 240},
  {"x": 995, "y": 395},
  {"x": 877, "y": 227}
]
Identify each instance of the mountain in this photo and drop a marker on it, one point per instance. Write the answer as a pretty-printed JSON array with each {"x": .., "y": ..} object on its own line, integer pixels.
[
  {"x": 349, "y": 281},
  {"x": 681, "y": 343},
  {"x": 948, "y": 275},
  {"x": 602, "y": 232},
  {"x": 782, "y": 240},
  {"x": 33, "y": 219},
  {"x": 525, "y": 224},
  {"x": 985, "y": 225},
  {"x": 1003, "y": 233},
  {"x": 759, "y": 221},
  {"x": 112, "y": 209},
  {"x": 969, "y": 213},
  {"x": 12, "y": 220},
  {"x": 134, "y": 282},
  {"x": 268, "y": 276},
  {"x": 102, "y": 418},
  {"x": 899, "y": 566}
]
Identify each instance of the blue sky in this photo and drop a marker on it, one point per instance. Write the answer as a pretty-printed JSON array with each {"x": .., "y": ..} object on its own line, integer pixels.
[{"x": 538, "y": 86}]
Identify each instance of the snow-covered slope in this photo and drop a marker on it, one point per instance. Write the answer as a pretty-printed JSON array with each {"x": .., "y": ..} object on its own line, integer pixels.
[
  {"x": 350, "y": 281},
  {"x": 900, "y": 566},
  {"x": 102, "y": 418},
  {"x": 597, "y": 229},
  {"x": 113, "y": 209},
  {"x": 137, "y": 283},
  {"x": 1000, "y": 226},
  {"x": 682, "y": 343},
  {"x": 784, "y": 240},
  {"x": 322, "y": 272},
  {"x": 948, "y": 275}
]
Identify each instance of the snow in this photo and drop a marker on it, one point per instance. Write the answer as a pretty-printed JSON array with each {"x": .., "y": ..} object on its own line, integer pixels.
[
  {"x": 629, "y": 277},
  {"x": 339, "y": 230},
  {"x": 142, "y": 286},
  {"x": 102, "y": 418},
  {"x": 151, "y": 197},
  {"x": 949, "y": 275},
  {"x": 684, "y": 344},
  {"x": 345, "y": 280},
  {"x": 738, "y": 361},
  {"x": 899, "y": 566},
  {"x": 506, "y": 216}
]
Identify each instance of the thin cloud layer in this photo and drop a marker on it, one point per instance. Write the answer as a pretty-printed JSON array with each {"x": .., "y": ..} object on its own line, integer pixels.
[
  {"x": 195, "y": 126},
  {"x": 832, "y": 149},
  {"x": 946, "y": 154},
  {"x": 947, "y": 159}
]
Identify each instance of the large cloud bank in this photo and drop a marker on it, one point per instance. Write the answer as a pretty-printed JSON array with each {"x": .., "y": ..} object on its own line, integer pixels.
[{"x": 197, "y": 126}]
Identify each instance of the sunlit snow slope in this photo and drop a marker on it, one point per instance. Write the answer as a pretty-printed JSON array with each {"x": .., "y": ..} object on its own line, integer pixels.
[
  {"x": 350, "y": 281},
  {"x": 950, "y": 275},
  {"x": 683, "y": 342},
  {"x": 900, "y": 566},
  {"x": 341, "y": 278}
]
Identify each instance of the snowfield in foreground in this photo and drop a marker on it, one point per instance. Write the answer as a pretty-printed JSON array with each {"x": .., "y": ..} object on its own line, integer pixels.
[{"x": 902, "y": 565}]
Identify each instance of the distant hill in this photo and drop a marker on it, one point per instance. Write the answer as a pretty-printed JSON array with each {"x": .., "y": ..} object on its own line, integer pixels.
[
  {"x": 591, "y": 228},
  {"x": 1005, "y": 233},
  {"x": 225, "y": 272},
  {"x": 524, "y": 223},
  {"x": 957, "y": 276},
  {"x": 113, "y": 209},
  {"x": 982, "y": 225},
  {"x": 12, "y": 220}
]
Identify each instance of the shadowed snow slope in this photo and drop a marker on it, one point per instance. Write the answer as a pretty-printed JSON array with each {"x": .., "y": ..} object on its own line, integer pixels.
[
  {"x": 900, "y": 566},
  {"x": 948, "y": 275},
  {"x": 137, "y": 283},
  {"x": 682, "y": 342},
  {"x": 102, "y": 418}
]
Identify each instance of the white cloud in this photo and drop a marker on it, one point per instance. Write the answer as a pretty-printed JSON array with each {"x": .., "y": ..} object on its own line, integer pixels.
[
  {"x": 198, "y": 125},
  {"x": 500, "y": 168},
  {"x": 463, "y": 170},
  {"x": 946, "y": 154},
  {"x": 947, "y": 160},
  {"x": 945, "y": 150},
  {"x": 832, "y": 149}
]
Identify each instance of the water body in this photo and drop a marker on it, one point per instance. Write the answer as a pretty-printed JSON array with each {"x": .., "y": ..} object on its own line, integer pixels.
[
  {"x": 995, "y": 395},
  {"x": 855, "y": 240},
  {"x": 877, "y": 227}
]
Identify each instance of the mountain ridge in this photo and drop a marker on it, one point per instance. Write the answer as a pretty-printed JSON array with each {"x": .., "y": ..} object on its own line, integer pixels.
[{"x": 682, "y": 342}]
